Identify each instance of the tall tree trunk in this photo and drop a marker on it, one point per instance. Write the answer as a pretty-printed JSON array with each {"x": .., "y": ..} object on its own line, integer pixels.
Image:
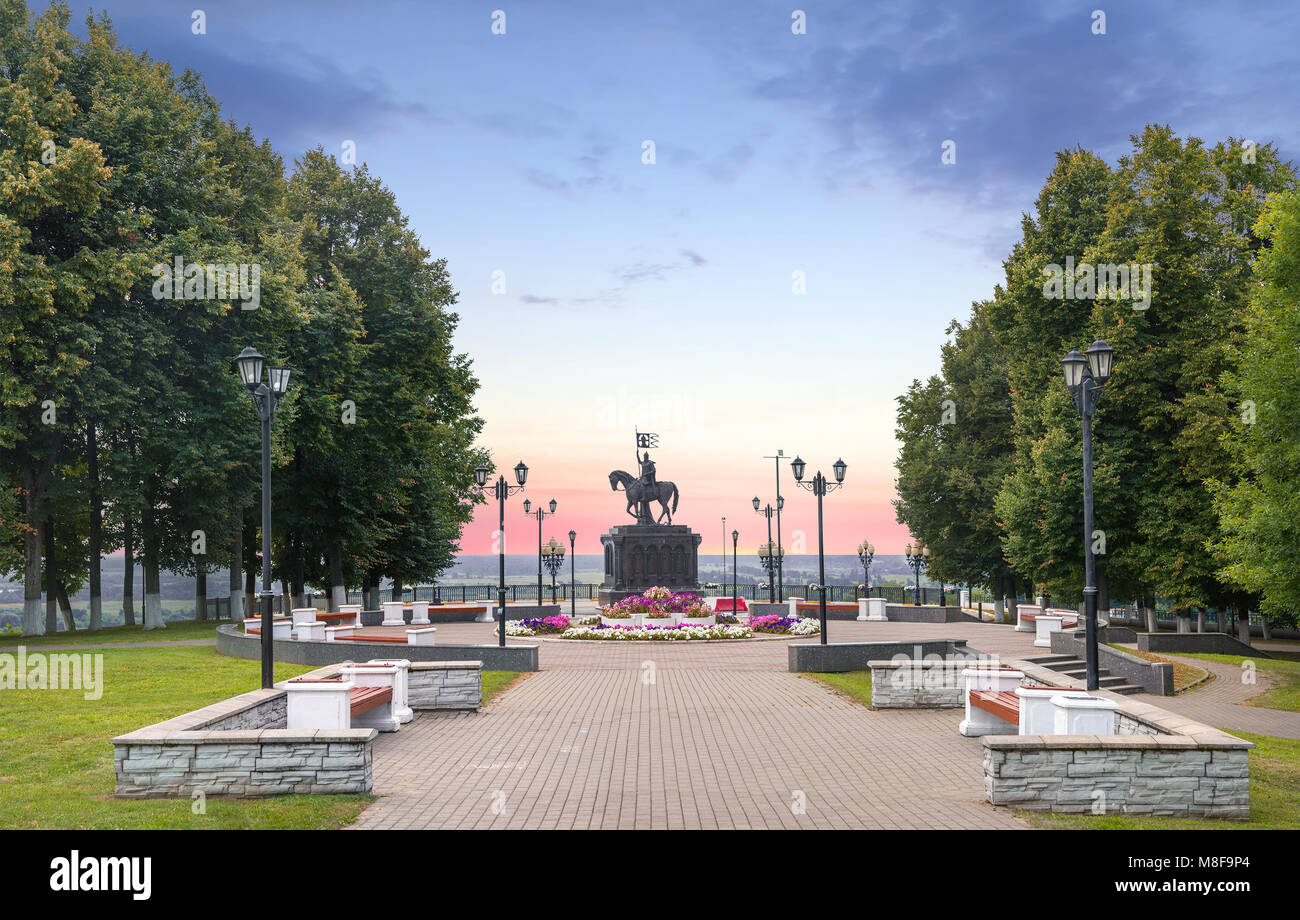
[
  {"x": 96, "y": 530},
  {"x": 299, "y": 570},
  {"x": 1200, "y": 619},
  {"x": 65, "y": 605},
  {"x": 372, "y": 589},
  {"x": 1243, "y": 623},
  {"x": 999, "y": 601},
  {"x": 398, "y": 592},
  {"x": 128, "y": 574},
  {"x": 51, "y": 577},
  {"x": 251, "y": 610},
  {"x": 1149, "y": 608},
  {"x": 1268, "y": 632},
  {"x": 338, "y": 592},
  {"x": 201, "y": 596},
  {"x": 153, "y": 615},
  {"x": 237, "y": 583},
  {"x": 33, "y": 625}
]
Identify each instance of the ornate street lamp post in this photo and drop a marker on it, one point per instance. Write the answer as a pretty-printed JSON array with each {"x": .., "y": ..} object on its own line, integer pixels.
[
  {"x": 501, "y": 490},
  {"x": 1086, "y": 378},
  {"x": 916, "y": 561},
  {"x": 866, "y": 552},
  {"x": 553, "y": 556},
  {"x": 768, "y": 554},
  {"x": 819, "y": 487},
  {"x": 265, "y": 399},
  {"x": 540, "y": 514},
  {"x": 573, "y": 579},
  {"x": 780, "y": 505}
]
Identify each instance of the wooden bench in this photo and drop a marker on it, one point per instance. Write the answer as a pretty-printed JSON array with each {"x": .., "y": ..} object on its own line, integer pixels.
[
  {"x": 333, "y": 704},
  {"x": 423, "y": 635},
  {"x": 337, "y": 617},
  {"x": 992, "y": 707},
  {"x": 1001, "y": 703},
  {"x": 364, "y": 699}
]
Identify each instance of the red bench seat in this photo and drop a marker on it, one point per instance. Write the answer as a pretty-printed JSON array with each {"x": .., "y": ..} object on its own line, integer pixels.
[
  {"x": 363, "y": 699},
  {"x": 1002, "y": 703}
]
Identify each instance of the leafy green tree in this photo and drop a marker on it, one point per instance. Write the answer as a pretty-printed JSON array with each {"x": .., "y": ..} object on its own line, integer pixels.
[
  {"x": 1258, "y": 546},
  {"x": 49, "y": 177},
  {"x": 955, "y": 435}
]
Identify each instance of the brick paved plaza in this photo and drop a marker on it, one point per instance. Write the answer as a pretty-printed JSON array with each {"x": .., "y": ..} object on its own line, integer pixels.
[{"x": 711, "y": 735}]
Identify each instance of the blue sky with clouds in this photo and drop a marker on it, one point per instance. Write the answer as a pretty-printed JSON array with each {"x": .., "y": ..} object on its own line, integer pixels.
[{"x": 661, "y": 295}]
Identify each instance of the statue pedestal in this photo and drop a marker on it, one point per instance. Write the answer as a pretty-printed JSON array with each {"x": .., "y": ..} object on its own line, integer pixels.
[{"x": 640, "y": 556}]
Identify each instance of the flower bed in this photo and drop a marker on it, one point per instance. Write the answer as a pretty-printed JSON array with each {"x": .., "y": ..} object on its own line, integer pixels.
[
  {"x": 553, "y": 625},
  {"x": 658, "y": 603},
  {"x": 792, "y": 626},
  {"x": 660, "y": 633}
]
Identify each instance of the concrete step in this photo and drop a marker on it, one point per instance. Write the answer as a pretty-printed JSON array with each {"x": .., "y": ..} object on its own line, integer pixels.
[
  {"x": 1126, "y": 689},
  {"x": 1066, "y": 665},
  {"x": 1052, "y": 661}
]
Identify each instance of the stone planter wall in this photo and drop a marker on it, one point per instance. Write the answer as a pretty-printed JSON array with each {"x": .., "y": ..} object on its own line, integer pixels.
[
  {"x": 242, "y": 747},
  {"x": 445, "y": 685},
  {"x": 1159, "y": 764},
  {"x": 921, "y": 684}
]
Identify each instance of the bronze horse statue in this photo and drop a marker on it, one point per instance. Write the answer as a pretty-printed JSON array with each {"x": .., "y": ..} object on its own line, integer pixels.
[{"x": 639, "y": 494}]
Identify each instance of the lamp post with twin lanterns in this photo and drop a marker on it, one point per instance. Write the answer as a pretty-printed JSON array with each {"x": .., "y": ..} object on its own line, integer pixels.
[
  {"x": 553, "y": 556},
  {"x": 866, "y": 552},
  {"x": 917, "y": 560},
  {"x": 265, "y": 399},
  {"x": 1085, "y": 378},
  {"x": 819, "y": 487},
  {"x": 501, "y": 490},
  {"x": 573, "y": 578},
  {"x": 541, "y": 515},
  {"x": 768, "y": 554}
]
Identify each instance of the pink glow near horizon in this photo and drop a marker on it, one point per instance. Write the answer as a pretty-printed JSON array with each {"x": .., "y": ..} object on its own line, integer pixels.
[{"x": 584, "y": 503}]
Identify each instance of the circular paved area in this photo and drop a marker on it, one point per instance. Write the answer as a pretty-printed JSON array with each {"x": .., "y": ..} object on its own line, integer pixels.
[{"x": 643, "y": 735}]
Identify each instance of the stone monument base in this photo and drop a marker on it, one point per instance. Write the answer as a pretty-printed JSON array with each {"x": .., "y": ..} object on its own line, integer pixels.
[{"x": 641, "y": 556}]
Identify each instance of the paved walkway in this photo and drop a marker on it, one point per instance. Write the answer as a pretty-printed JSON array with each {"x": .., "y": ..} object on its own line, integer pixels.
[
  {"x": 710, "y": 735},
  {"x": 1219, "y": 702}
]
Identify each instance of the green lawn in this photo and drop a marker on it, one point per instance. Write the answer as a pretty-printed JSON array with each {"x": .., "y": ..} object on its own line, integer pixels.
[
  {"x": 495, "y": 682},
  {"x": 56, "y": 765},
  {"x": 180, "y": 629},
  {"x": 856, "y": 685},
  {"x": 1286, "y": 695},
  {"x": 1274, "y": 798}
]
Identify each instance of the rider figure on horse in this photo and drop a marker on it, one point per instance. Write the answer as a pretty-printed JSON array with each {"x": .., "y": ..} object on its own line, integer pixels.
[
  {"x": 647, "y": 471},
  {"x": 647, "y": 486}
]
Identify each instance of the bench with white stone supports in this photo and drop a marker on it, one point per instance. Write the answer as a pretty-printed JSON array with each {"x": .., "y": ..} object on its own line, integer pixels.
[
  {"x": 281, "y": 627},
  {"x": 1044, "y": 626},
  {"x": 359, "y": 674},
  {"x": 393, "y": 615},
  {"x": 310, "y": 632},
  {"x": 991, "y": 683},
  {"x": 872, "y": 609},
  {"x": 361, "y": 698}
]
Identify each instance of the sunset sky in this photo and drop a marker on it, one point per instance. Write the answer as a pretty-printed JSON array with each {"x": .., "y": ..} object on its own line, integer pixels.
[{"x": 660, "y": 295}]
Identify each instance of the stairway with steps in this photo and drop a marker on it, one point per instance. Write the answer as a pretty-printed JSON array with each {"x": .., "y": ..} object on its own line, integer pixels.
[{"x": 1078, "y": 669}]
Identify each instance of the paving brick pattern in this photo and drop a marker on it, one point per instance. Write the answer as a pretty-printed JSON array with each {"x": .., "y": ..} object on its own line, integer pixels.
[
  {"x": 703, "y": 735},
  {"x": 725, "y": 748}
]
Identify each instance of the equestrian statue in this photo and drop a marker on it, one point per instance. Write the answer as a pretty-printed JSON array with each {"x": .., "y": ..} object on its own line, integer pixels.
[{"x": 644, "y": 489}]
